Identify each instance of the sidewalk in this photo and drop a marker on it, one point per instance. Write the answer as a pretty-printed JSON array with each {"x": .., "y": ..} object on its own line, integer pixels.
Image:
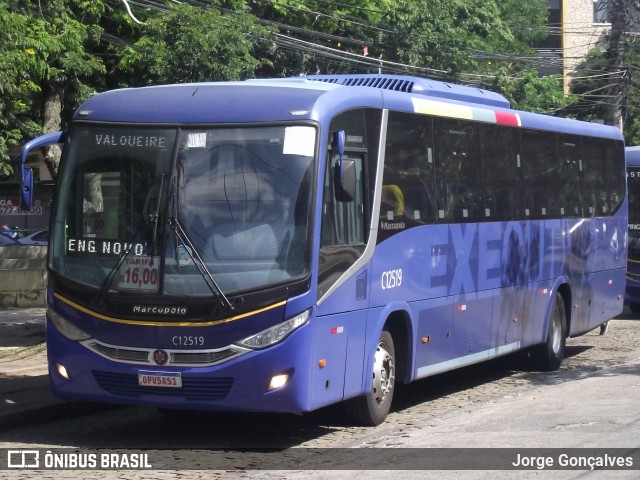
[{"x": 24, "y": 379}]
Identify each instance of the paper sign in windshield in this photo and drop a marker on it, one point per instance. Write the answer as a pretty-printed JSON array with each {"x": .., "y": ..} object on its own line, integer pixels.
[
  {"x": 299, "y": 141},
  {"x": 139, "y": 273}
]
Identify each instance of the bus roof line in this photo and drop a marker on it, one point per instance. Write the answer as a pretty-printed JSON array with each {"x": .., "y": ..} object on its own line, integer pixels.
[{"x": 418, "y": 86}]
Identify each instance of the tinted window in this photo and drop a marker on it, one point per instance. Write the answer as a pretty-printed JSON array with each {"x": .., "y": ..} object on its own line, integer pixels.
[
  {"x": 408, "y": 197},
  {"x": 540, "y": 174},
  {"x": 570, "y": 177},
  {"x": 604, "y": 182},
  {"x": 500, "y": 176},
  {"x": 471, "y": 171},
  {"x": 458, "y": 185}
]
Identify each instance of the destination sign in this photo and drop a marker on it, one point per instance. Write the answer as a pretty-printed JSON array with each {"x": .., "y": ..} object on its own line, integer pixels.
[
  {"x": 133, "y": 141},
  {"x": 102, "y": 247}
]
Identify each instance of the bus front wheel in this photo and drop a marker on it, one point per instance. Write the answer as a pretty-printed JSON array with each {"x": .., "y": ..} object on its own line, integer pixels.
[
  {"x": 372, "y": 409},
  {"x": 549, "y": 355}
]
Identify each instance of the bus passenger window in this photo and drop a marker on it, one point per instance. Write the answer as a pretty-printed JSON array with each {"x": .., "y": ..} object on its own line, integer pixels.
[
  {"x": 458, "y": 172},
  {"x": 500, "y": 174},
  {"x": 407, "y": 195}
]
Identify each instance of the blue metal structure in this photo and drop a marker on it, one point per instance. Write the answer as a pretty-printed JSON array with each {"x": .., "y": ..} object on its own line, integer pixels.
[{"x": 218, "y": 246}]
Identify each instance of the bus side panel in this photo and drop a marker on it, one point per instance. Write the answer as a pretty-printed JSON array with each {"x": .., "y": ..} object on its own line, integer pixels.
[
  {"x": 606, "y": 284},
  {"x": 472, "y": 318},
  {"x": 433, "y": 335},
  {"x": 337, "y": 357},
  {"x": 536, "y": 304},
  {"x": 611, "y": 242},
  {"x": 607, "y": 299},
  {"x": 508, "y": 316}
]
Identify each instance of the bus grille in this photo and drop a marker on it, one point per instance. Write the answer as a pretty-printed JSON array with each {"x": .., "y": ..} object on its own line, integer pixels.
[
  {"x": 183, "y": 358},
  {"x": 206, "y": 358},
  {"x": 122, "y": 353},
  {"x": 193, "y": 388},
  {"x": 385, "y": 83}
]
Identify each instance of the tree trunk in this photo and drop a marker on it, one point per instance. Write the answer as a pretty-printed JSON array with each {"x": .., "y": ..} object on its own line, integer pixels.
[{"x": 53, "y": 96}]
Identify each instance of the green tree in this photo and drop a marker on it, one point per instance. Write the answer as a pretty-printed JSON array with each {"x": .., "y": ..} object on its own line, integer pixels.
[
  {"x": 588, "y": 88},
  {"x": 47, "y": 45},
  {"x": 190, "y": 43},
  {"x": 17, "y": 86},
  {"x": 531, "y": 93},
  {"x": 437, "y": 37}
]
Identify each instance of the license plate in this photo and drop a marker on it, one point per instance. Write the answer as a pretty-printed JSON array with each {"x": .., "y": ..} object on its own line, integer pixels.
[{"x": 159, "y": 379}]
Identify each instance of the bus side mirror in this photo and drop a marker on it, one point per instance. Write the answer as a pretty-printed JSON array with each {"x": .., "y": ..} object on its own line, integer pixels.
[
  {"x": 344, "y": 171},
  {"x": 26, "y": 192},
  {"x": 345, "y": 181},
  {"x": 26, "y": 174}
]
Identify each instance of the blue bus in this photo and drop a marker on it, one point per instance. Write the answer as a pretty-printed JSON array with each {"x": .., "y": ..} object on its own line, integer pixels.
[
  {"x": 282, "y": 245},
  {"x": 632, "y": 293}
]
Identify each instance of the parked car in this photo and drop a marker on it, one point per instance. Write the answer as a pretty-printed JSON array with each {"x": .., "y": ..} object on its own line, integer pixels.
[
  {"x": 7, "y": 241},
  {"x": 36, "y": 238}
]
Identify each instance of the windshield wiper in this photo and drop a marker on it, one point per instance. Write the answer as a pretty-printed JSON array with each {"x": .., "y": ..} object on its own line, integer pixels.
[
  {"x": 174, "y": 224},
  {"x": 106, "y": 283},
  {"x": 153, "y": 218},
  {"x": 182, "y": 235}
]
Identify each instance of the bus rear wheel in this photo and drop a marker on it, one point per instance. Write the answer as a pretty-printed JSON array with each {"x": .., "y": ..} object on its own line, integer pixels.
[
  {"x": 372, "y": 409},
  {"x": 549, "y": 355}
]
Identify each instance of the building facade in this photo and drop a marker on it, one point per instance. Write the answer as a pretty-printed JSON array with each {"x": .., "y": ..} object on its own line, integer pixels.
[{"x": 584, "y": 25}]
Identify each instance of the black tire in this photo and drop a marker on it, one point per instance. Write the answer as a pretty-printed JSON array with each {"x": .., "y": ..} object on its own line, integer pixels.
[
  {"x": 634, "y": 307},
  {"x": 372, "y": 409},
  {"x": 549, "y": 355}
]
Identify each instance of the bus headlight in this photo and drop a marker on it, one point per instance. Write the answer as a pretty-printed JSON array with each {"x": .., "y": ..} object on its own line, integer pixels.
[
  {"x": 66, "y": 328},
  {"x": 277, "y": 333}
]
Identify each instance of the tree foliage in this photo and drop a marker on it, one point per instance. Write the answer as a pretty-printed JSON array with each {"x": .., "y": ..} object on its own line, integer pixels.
[
  {"x": 46, "y": 50},
  {"x": 531, "y": 93},
  {"x": 19, "y": 70},
  {"x": 56, "y": 53},
  {"x": 189, "y": 45},
  {"x": 441, "y": 37}
]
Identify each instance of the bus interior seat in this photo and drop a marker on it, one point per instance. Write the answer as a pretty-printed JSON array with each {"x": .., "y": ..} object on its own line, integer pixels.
[
  {"x": 392, "y": 202},
  {"x": 253, "y": 242}
]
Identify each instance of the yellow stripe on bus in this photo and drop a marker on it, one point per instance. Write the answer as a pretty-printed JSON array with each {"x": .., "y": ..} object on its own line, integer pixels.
[
  {"x": 165, "y": 324},
  {"x": 441, "y": 109}
]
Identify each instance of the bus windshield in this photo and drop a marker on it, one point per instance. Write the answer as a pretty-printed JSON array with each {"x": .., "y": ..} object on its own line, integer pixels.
[
  {"x": 633, "y": 185},
  {"x": 159, "y": 210}
]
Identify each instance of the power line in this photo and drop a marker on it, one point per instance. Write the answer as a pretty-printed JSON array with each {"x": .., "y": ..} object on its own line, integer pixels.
[{"x": 295, "y": 45}]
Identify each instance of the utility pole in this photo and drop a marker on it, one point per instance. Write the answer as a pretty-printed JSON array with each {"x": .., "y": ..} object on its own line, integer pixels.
[{"x": 615, "y": 61}]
